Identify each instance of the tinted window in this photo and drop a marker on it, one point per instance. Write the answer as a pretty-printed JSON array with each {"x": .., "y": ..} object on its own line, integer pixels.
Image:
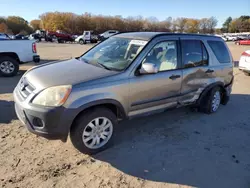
[
  {"x": 194, "y": 53},
  {"x": 163, "y": 55},
  {"x": 220, "y": 51}
]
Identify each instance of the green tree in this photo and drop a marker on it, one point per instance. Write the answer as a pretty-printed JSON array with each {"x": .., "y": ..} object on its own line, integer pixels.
[{"x": 226, "y": 24}]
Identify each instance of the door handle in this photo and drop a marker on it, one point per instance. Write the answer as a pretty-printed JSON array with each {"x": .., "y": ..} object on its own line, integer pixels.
[
  {"x": 209, "y": 71},
  {"x": 173, "y": 77}
]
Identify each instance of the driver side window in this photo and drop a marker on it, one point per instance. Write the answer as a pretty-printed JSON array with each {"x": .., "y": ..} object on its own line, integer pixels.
[{"x": 163, "y": 55}]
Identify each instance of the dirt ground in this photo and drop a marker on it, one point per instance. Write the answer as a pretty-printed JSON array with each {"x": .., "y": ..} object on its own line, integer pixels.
[{"x": 178, "y": 148}]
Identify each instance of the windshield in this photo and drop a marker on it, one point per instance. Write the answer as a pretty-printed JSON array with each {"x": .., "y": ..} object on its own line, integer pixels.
[{"x": 115, "y": 53}]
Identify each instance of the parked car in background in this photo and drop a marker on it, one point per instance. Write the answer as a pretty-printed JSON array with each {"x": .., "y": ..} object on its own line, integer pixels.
[
  {"x": 231, "y": 38},
  {"x": 127, "y": 75},
  {"x": 87, "y": 37},
  {"x": 224, "y": 38},
  {"x": 4, "y": 36},
  {"x": 107, "y": 34},
  {"x": 243, "y": 42},
  {"x": 35, "y": 36},
  {"x": 244, "y": 63},
  {"x": 243, "y": 37},
  {"x": 75, "y": 36},
  {"x": 59, "y": 36},
  {"x": 14, "y": 52},
  {"x": 21, "y": 37}
]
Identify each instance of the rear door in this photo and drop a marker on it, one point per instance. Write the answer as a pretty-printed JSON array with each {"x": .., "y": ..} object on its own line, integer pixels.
[
  {"x": 157, "y": 91},
  {"x": 196, "y": 70},
  {"x": 223, "y": 60}
]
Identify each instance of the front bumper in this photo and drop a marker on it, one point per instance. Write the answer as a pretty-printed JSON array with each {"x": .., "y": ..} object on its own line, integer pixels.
[
  {"x": 36, "y": 58},
  {"x": 50, "y": 123}
]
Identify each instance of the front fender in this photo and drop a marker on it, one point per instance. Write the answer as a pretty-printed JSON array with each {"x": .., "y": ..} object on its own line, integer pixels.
[{"x": 97, "y": 99}]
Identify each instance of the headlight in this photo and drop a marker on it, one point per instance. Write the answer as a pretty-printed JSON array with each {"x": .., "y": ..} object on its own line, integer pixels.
[{"x": 53, "y": 96}]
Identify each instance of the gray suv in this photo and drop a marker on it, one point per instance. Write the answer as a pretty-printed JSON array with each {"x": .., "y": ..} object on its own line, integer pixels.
[{"x": 127, "y": 75}]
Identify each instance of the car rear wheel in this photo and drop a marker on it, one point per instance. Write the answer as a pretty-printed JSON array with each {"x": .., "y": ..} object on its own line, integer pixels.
[
  {"x": 8, "y": 66},
  {"x": 211, "y": 102},
  {"x": 93, "y": 131}
]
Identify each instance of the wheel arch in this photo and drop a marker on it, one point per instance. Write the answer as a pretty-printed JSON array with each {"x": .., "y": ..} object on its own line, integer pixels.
[
  {"x": 208, "y": 89},
  {"x": 115, "y": 106},
  {"x": 10, "y": 54}
]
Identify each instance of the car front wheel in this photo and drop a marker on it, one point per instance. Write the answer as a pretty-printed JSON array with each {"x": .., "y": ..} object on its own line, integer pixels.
[
  {"x": 93, "y": 131},
  {"x": 81, "y": 42}
]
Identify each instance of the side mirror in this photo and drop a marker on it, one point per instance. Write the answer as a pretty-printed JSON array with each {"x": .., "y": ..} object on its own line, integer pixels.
[{"x": 149, "y": 68}]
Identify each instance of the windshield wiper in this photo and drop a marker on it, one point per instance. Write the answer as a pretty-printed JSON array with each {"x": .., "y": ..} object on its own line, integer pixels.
[
  {"x": 103, "y": 66},
  {"x": 99, "y": 64}
]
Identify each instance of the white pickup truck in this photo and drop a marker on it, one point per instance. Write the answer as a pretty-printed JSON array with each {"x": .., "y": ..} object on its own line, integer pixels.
[
  {"x": 14, "y": 52},
  {"x": 86, "y": 37}
]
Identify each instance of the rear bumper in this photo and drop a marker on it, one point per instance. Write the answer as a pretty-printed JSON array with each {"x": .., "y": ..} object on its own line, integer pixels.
[
  {"x": 36, "y": 58},
  {"x": 244, "y": 69}
]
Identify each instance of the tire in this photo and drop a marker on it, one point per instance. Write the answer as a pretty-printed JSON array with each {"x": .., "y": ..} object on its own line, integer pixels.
[
  {"x": 247, "y": 73},
  {"x": 82, "y": 124},
  {"x": 81, "y": 42},
  {"x": 207, "y": 104},
  {"x": 11, "y": 63}
]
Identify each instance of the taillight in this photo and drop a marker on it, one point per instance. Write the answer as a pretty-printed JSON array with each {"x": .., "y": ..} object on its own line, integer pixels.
[
  {"x": 34, "y": 47},
  {"x": 245, "y": 54}
]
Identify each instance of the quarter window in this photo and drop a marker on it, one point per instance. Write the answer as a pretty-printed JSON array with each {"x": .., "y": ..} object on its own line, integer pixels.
[
  {"x": 220, "y": 51},
  {"x": 194, "y": 53},
  {"x": 163, "y": 55}
]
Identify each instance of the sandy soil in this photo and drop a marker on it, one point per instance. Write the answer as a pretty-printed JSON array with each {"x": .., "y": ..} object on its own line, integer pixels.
[{"x": 179, "y": 148}]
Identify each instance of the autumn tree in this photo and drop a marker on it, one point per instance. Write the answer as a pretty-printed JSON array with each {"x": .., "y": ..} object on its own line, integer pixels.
[
  {"x": 35, "y": 24},
  {"x": 192, "y": 25},
  {"x": 3, "y": 28},
  {"x": 17, "y": 24},
  {"x": 180, "y": 24}
]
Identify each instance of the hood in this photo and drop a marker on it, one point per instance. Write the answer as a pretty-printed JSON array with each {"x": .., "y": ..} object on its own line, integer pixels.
[
  {"x": 67, "y": 72},
  {"x": 79, "y": 37}
]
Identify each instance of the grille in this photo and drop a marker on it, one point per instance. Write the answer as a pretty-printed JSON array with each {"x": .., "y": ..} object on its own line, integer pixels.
[{"x": 25, "y": 88}]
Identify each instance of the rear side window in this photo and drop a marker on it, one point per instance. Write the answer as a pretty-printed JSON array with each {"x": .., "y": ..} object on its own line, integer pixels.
[
  {"x": 194, "y": 53},
  {"x": 220, "y": 51}
]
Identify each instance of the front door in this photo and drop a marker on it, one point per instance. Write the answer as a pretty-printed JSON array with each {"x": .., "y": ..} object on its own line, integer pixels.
[{"x": 152, "y": 92}]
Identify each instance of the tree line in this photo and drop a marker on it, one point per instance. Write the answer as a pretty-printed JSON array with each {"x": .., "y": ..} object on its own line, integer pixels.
[
  {"x": 15, "y": 25},
  {"x": 76, "y": 24},
  {"x": 241, "y": 24},
  {"x": 72, "y": 23}
]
